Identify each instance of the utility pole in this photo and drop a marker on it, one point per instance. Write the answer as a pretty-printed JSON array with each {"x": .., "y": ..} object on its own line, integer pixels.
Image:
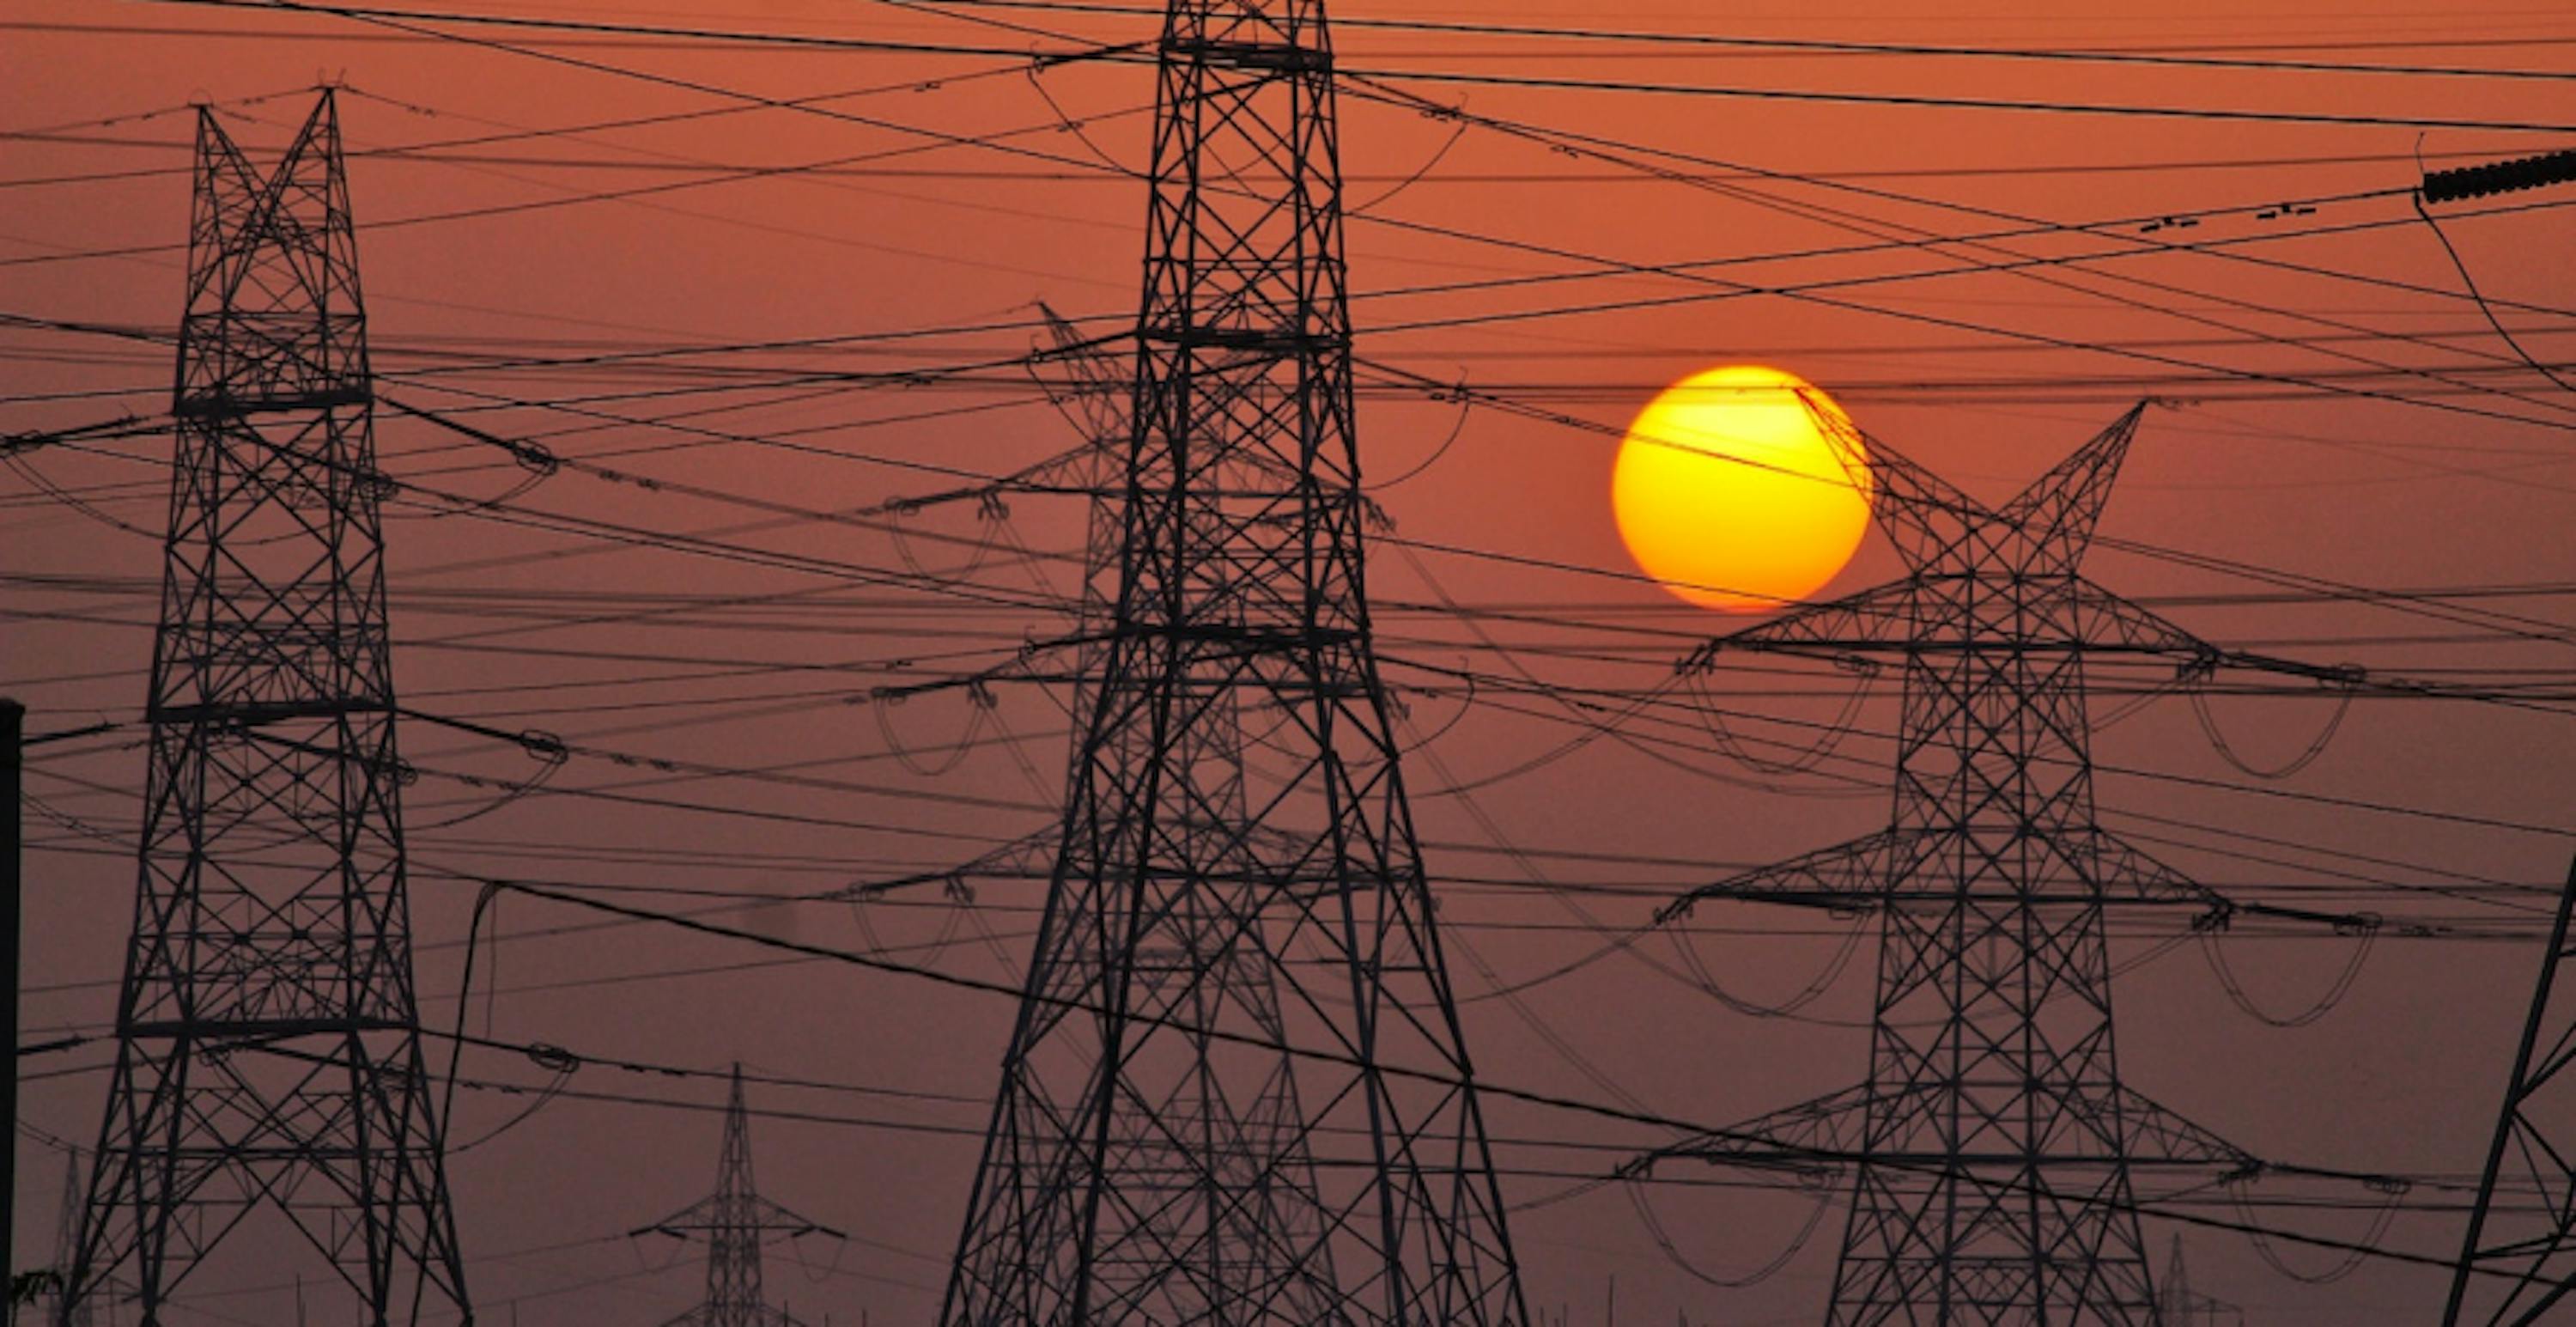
[
  {"x": 735, "y": 1222},
  {"x": 13, "y": 733},
  {"x": 269, "y": 1084},
  {"x": 1150, "y": 1142},
  {"x": 1996, "y": 1142},
  {"x": 2518, "y": 1258}
]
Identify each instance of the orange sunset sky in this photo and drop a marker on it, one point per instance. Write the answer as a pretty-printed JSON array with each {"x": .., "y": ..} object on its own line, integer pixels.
[{"x": 1985, "y": 248}]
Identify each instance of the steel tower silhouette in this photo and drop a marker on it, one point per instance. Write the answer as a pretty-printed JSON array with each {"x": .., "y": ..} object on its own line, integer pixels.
[
  {"x": 1149, "y": 1159},
  {"x": 2517, "y": 1262},
  {"x": 1261, "y": 1174},
  {"x": 735, "y": 1222},
  {"x": 2181, "y": 1306},
  {"x": 58, "y": 1307},
  {"x": 1996, "y": 1147},
  {"x": 268, "y": 1042}
]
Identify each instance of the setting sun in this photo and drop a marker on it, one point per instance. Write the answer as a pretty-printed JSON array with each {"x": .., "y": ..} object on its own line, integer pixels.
[{"x": 1729, "y": 492}]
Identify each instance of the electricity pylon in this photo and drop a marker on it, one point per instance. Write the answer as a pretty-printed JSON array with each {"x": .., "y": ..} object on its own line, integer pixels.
[
  {"x": 1104, "y": 1192},
  {"x": 59, "y": 1308},
  {"x": 734, "y": 1222},
  {"x": 268, "y": 1042},
  {"x": 1261, "y": 1175},
  {"x": 2518, "y": 1259},
  {"x": 1995, "y": 1147},
  {"x": 2178, "y": 1305}
]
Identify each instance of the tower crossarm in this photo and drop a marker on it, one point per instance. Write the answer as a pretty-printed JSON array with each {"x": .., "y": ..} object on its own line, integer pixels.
[
  {"x": 1092, "y": 395},
  {"x": 734, "y": 1316},
  {"x": 1867, "y": 873},
  {"x": 13, "y": 443},
  {"x": 2156, "y": 1134},
  {"x": 2100, "y": 621},
  {"x": 1884, "y": 623},
  {"x": 1819, "y": 1137},
  {"x": 787, "y": 1222},
  {"x": 722, "y": 1213},
  {"x": 1030, "y": 855},
  {"x": 1851, "y": 876},
  {"x": 2122, "y": 871},
  {"x": 1813, "y": 1138},
  {"x": 1855, "y": 630},
  {"x": 2105, "y": 624}
]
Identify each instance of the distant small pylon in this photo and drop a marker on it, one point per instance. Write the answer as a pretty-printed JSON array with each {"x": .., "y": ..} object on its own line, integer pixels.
[
  {"x": 2178, "y": 1305},
  {"x": 81, "y": 1313},
  {"x": 735, "y": 1221}
]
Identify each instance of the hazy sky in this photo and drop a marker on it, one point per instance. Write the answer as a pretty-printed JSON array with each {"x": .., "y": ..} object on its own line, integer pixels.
[{"x": 2335, "y": 413}]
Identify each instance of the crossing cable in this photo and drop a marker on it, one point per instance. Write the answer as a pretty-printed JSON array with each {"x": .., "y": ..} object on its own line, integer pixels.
[
  {"x": 541, "y": 461},
  {"x": 1608, "y": 149},
  {"x": 1141, "y": 52},
  {"x": 1504, "y": 684},
  {"x": 1733, "y": 291},
  {"x": 1449, "y": 1082},
  {"x": 1484, "y": 119},
  {"x": 2126, "y": 229},
  {"x": 2538, "y": 629},
  {"x": 536, "y": 457},
  {"x": 2446, "y": 186},
  {"x": 670, "y": 541},
  {"x": 997, "y": 142},
  {"x": 405, "y": 20},
  {"x": 2015, "y": 263},
  {"x": 1806, "y": 45},
  {"x": 1812, "y": 293},
  {"x": 514, "y": 134},
  {"x": 628, "y": 194},
  {"x": 1861, "y": 307}
]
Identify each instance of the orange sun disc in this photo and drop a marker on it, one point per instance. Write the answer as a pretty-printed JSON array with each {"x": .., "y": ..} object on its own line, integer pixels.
[{"x": 1741, "y": 489}]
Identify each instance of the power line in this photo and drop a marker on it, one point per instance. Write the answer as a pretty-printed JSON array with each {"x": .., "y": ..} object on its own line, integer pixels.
[
  {"x": 1132, "y": 53},
  {"x": 1545, "y": 1100},
  {"x": 1804, "y": 45}
]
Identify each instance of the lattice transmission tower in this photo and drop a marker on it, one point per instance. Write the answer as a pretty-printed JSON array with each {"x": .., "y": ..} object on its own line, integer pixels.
[
  {"x": 1260, "y": 1174},
  {"x": 1237, "y": 868},
  {"x": 2518, "y": 1259},
  {"x": 735, "y": 1223},
  {"x": 54, "y": 1306},
  {"x": 2178, "y": 1305},
  {"x": 269, "y": 1086},
  {"x": 1995, "y": 1148}
]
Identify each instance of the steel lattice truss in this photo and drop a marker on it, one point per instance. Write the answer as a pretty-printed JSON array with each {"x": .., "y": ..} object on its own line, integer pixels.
[
  {"x": 268, "y": 1044},
  {"x": 84, "y": 1311},
  {"x": 2518, "y": 1260},
  {"x": 2182, "y": 1306},
  {"x": 1265, "y": 1213},
  {"x": 1997, "y": 1152},
  {"x": 734, "y": 1222},
  {"x": 1237, "y": 868}
]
